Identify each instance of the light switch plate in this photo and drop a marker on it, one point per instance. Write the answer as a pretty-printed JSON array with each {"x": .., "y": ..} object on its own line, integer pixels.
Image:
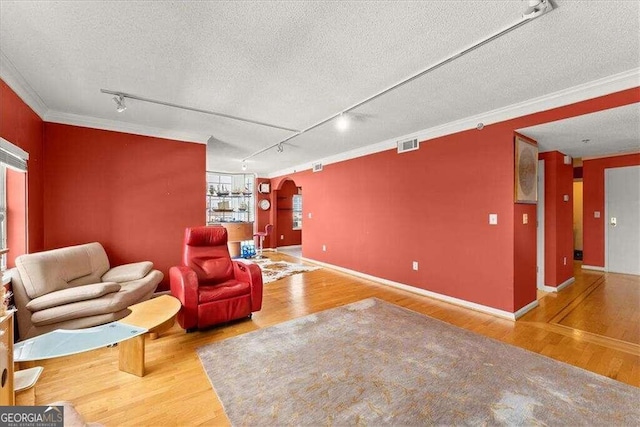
[
  {"x": 596, "y": 214},
  {"x": 493, "y": 219},
  {"x": 525, "y": 218}
]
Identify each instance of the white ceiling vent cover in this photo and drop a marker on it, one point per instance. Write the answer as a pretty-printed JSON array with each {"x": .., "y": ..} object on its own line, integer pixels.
[
  {"x": 408, "y": 145},
  {"x": 317, "y": 167}
]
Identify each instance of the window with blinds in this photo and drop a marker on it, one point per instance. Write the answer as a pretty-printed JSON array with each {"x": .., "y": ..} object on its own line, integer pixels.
[
  {"x": 297, "y": 212},
  {"x": 15, "y": 158}
]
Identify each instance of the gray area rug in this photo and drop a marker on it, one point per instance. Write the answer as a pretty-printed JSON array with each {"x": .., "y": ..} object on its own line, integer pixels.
[{"x": 374, "y": 363}]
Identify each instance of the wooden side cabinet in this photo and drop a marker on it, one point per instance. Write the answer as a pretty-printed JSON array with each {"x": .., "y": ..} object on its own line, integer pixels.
[
  {"x": 237, "y": 232},
  {"x": 7, "y": 394}
]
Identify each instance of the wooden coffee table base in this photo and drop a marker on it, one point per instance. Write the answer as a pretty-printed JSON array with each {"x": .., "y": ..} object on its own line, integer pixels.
[
  {"x": 132, "y": 356},
  {"x": 156, "y": 315}
]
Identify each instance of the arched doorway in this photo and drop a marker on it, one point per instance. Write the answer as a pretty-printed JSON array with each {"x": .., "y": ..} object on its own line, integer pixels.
[{"x": 288, "y": 217}]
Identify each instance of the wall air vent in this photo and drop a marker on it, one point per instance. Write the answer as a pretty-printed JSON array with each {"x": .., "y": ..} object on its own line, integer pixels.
[
  {"x": 408, "y": 145},
  {"x": 317, "y": 167}
]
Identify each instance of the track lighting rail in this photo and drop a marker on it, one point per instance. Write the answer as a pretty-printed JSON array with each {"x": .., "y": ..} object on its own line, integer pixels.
[
  {"x": 542, "y": 7},
  {"x": 198, "y": 110}
]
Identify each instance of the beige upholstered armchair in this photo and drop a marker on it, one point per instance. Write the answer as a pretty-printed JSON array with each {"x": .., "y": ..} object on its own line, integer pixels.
[{"x": 74, "y": 287}]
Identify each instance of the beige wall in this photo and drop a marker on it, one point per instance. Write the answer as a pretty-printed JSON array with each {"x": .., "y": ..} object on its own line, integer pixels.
[{"x": 577, "y": 215}]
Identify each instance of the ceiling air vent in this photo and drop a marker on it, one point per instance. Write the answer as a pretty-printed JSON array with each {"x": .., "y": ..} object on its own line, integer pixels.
[
  {"x": 317, "y": 167},
  {"x": 408, "y": 145}
]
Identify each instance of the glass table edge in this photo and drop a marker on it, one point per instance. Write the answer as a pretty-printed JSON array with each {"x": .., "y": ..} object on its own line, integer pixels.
[{"x": 134, "y": 332}]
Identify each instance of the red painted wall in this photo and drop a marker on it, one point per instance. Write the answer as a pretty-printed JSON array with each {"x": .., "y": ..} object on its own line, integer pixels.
[
  {"x": 21, "y": 126},
  {"x": 524, "y": 238},
  {"x": 524, "y": 264},
  {"x": 284, "y": 216},
  {"x": 558, "y": 217},
  {"x": 593, "y": 195},
  {"x": 134, "y": 194},
  {"x": 265, "y": 217},
  {"x": 376, "y": 214}
]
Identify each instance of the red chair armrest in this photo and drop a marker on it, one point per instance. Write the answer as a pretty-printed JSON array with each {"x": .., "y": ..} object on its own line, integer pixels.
[
  {"x": 183, "y": 282},
  {"x": 250, "y": 273}
]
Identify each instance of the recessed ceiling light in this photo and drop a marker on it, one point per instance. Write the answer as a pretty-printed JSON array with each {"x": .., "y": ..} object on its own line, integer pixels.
[
  {"x": 584, "y": 141},
  {"x": 342, "y": 122}
]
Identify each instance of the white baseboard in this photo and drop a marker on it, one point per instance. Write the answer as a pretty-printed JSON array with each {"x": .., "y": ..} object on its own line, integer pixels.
[
  {"x": 560, "y": 287},
  {"x": 460, "y": 302},
  {"x": 566, "y": 283},
  {"x": 290, "y": 247},
  {"x": 524, "y": 310},
  {"x": 592, "y": 267}
]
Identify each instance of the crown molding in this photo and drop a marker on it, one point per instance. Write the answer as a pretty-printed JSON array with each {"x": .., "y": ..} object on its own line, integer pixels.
[
  {"x": 125, "y": 127},
  {"x": 604, "y": 156},
  {"x": 611, "y": 84},
  {"x": 12, "y": 77}
]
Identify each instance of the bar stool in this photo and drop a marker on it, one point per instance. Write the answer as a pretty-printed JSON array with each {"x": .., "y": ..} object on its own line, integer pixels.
[{"x": 262, "y": 234}]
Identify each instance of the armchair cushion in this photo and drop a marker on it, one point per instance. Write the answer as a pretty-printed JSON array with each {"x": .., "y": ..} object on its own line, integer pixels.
[
  {"x": 58, "y": 269},
  {"x": 69, "y": 295},
  {"x": 212, "y": 269},
  {"x": 229, "y": 289},
  {"x": 128, "y": 272}
]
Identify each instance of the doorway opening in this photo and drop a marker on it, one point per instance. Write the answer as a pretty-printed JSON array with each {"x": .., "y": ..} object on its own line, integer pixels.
[
  {"x": 578, "y": 227},
  {"x": 289, "y": 224}
]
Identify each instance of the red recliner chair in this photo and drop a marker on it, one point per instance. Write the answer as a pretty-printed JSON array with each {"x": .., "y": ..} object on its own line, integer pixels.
[{"x": 211, "y": 287}]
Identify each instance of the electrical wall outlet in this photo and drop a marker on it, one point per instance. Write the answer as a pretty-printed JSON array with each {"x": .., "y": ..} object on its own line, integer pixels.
[
  {"x": 525, "y": 218},
  {"x": 309, "y": 214},
  {"x": 493, "y": 219},
  {"x": 564, "y": 260},
  {"x": 324, "y": 248},
  {"x": 415, "y": 265},
  {"x": 282, "y": 237}
]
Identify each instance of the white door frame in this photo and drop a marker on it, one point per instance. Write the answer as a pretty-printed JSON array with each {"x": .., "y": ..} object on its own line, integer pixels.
[
  {"x": 540, "y": 227},
  {"x": 605, "y": 214}
]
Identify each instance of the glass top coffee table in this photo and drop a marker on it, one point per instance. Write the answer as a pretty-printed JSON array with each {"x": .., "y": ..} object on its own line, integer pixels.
[
  {"x": 65, "y": 342},
  {"x": 151, "y": 316}
]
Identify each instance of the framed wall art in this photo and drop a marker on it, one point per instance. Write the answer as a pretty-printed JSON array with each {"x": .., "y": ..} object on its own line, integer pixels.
[{"x": 526, "y": 171}]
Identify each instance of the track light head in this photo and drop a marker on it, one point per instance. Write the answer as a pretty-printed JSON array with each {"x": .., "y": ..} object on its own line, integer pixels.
[
  {"x": 342, "y": 122},
  {"x": 244, "y": 166},
  {"x": 280, "y": 148},
  {"x": 537, "y": 8},
  {"x": 120, "y": 106}
]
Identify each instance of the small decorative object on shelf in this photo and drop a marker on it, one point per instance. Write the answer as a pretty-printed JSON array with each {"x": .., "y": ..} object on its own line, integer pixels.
[
  {"x": 212, "y": 191},
  {"x": 242, "y": 207},
  {"x": 248, "y": 249}
]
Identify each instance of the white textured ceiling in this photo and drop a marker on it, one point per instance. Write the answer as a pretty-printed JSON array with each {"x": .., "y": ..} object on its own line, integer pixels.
[
  {"x": 296, "y": 63},
  {"x": 612, "y": 131}
]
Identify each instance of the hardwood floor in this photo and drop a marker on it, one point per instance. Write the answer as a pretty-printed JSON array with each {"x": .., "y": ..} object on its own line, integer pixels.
[{"x": 585, "y": 325}]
